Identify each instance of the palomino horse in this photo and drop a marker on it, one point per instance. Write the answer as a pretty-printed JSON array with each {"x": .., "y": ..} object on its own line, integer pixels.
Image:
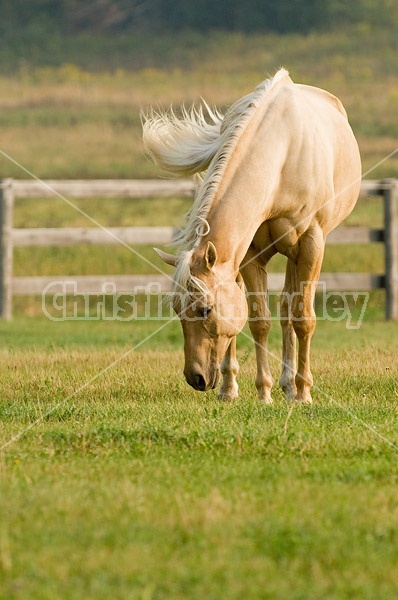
[{"x": 281, "y": 170}]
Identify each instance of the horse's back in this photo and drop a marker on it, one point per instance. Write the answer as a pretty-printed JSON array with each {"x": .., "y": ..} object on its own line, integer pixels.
[
  {"x": 324, "y": 96},
  {"x": 323, "y": 158}
]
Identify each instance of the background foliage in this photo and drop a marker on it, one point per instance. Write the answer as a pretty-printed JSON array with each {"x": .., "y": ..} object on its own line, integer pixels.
[
  {"x": 86, "y": 33},
  {"x": 71, "y": 16}
]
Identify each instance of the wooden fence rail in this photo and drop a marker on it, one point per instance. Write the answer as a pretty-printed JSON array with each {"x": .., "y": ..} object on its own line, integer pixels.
[{"x": 10, "y": 237}]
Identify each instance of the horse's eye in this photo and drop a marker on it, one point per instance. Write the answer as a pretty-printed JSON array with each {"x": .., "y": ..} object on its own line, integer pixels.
[{"x": 204, "y": 311}]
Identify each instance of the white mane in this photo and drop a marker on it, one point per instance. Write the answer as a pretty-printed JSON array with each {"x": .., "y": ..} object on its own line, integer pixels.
[{"x": 191, "y": 145}]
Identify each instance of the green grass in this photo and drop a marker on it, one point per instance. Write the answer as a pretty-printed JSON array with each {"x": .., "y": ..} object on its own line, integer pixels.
[
  {"x": 114, "y": 212},
  {"x": 132, "y": 485}
]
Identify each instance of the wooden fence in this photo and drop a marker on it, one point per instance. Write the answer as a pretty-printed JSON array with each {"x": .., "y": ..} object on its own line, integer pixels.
[{"x": 10, "y": 237}]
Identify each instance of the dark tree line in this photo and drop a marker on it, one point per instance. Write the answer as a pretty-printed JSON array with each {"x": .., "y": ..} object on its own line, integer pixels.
[{"x": 301, "y": 16}]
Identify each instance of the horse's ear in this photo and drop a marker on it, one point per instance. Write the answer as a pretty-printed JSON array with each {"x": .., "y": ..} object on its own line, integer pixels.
[
  {"x": 169, "y": 259},
  {"x": 210, "y": 255}
]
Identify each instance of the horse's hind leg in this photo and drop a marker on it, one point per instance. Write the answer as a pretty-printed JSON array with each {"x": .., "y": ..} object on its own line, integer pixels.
[
  {"x": 308, "y": 268},
  {"x": 229, "y": 369},
  {"x": 287, "y": 379}
]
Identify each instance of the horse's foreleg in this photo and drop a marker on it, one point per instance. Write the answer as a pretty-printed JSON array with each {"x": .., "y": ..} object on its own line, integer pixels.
[
  {"x": 229, "y": 369},
  {"x": 255, "y": 278}
]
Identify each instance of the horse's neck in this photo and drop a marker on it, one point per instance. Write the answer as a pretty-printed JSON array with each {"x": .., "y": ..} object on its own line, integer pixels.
[
  {"x": 232, "y": 229},
  {"x": 245, "y": 195},
  {"x": 239, "y": 209}
]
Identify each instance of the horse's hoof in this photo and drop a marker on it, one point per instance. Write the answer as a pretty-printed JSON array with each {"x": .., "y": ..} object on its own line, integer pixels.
[
  {"x": 228, "y": 394},
  {"x": 304, "y": 398},
  {"x": 265, "y": 397},
  {"x": 290, "y": 392}
]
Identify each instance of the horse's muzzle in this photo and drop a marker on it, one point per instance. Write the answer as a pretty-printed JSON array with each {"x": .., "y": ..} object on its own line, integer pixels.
[{"x": 200, "y": 383}]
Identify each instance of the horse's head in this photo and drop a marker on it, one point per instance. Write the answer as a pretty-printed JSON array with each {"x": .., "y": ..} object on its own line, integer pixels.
[{"x": 212, "y": 309}]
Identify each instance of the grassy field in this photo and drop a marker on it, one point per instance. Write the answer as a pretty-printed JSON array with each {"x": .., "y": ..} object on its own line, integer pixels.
[
  {"x": 117, "y": 480},
  {"x": 132, "y": 485}
]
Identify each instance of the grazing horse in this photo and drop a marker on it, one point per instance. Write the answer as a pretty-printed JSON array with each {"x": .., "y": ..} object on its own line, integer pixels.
[{"x": 278, "y": 172}]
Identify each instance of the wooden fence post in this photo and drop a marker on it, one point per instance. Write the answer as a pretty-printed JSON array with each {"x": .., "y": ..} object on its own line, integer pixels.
[
  {"x": 6, "y": 218},
  {"x": 390, "y": 194}
]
